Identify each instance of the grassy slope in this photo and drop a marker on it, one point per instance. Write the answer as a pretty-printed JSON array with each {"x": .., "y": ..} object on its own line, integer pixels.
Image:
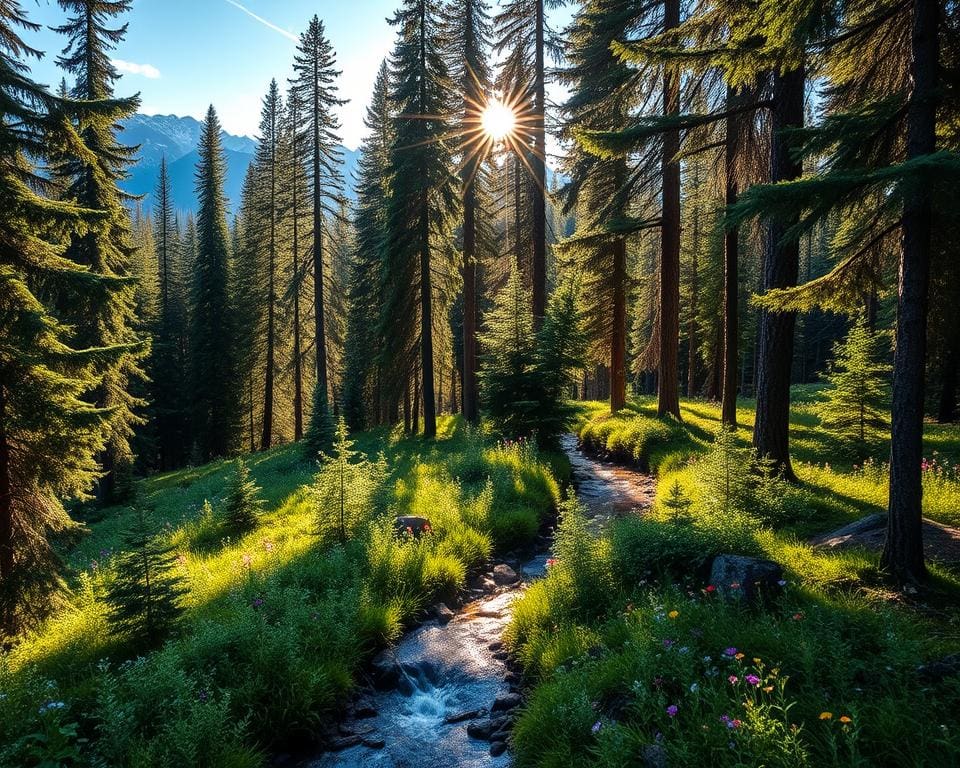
[
  {"x": 276, "y": 626},
  {"x": 625, "y": 641}
]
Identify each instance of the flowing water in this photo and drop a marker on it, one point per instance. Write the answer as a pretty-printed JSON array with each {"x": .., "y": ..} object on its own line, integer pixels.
[{"x": 458, "y": 668}]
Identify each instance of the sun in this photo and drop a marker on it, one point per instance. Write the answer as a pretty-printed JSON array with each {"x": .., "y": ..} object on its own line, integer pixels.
[{"x": 498, "y": 120}]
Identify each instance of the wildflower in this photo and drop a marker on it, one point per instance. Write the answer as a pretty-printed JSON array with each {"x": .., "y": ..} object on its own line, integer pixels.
[
  {"x": 673, "y": 614},
  {"x": 246, "y": 561},
  {"x": 672, "y": 710},
  {"x": 202, "y": 695},
  {"x": 51, "y": 706},
  {"x": 736, "y": 723},
  {"x": 738, "y": 656},
  {"x": 657, "y": 681},
  {"x": 596, "y": 727},
  {"x": 181, "y": 559},
  {"x": 710, "y": 588},
  {"x": 845, "y": 719},
  {"x": 826, "y": 715},
  {"x": 735, "y": 585},
  {"x": 767, "y": 688},
  {"x": 694, "y": 687},
  {"x": 753, "y": 680},
  {"x": 268, "y": 545},
  {"x": 257, "y": 603},
  {"x": 667, "y": 642},
  {"x": 731, "y": 652},
  {"x": 798, "y": 617},
  {"x": 551, "y": 561},
  {"x": 733, "y": 679},
  {"x": 782, "y": 583},
  {"x": 757, "y": 659}
]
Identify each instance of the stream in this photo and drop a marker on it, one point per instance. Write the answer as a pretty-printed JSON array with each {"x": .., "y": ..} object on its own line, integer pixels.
[{"x": 451, "y": 671}]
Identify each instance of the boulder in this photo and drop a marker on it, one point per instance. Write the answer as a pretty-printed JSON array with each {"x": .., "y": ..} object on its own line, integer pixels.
[
  {"x": 385, "y": 671},
  {"x": 506, "y": 701},
  {"x": 860, "y": 532},
  {"x": 745, "y": 578},
  {"x": 480, "y": 729},
  {"x": 442, "y": 613},
  {"x": 497, "y": 748},
  {"x": 503, "y": 575},
  {"x": 408, "y": 525}
]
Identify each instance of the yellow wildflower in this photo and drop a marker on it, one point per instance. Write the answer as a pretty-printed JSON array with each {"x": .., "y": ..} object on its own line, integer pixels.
[{"x": 826, "y": 715}]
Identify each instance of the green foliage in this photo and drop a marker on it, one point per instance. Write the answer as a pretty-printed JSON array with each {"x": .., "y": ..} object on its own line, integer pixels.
[
  {"x": 242, "y": 503},
  {"x": 348, "y": 489},
  {"x": 627, "y": 436},
  {"x": 677, "y": 503},
  {"x": 525, "y": 376},
  {"x": 856, "y": 407},
  {"x": 321, "y": 428},
  {"x": 145, "y": 596}
]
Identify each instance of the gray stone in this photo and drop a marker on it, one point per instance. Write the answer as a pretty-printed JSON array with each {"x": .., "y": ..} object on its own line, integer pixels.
[
  {"x": 654, "y": 756},
  {"x": 377, "y": 743},
  {"x": 442, "y": 613},
  {"x": 503, "y": 575},
  {"x": 853, "y": 533},
  {"x": 345, "y": 742},
  {"x": 408, "y": 524},
  {"x": 497, "y": 748},
  {"x": 385, "y": 672},
  {"x": 365, "y": 712},
  {"x": 738, "y": 577},
  {"x": 459, "y": 717},
  {"x": 480, "y": 729},
  {"x": 506, "y": 702}
]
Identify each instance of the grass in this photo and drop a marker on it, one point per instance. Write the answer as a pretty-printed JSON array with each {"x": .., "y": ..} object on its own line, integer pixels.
[
  {"x": 277, "y": 625},
  {"x": 632, "y": 654}
]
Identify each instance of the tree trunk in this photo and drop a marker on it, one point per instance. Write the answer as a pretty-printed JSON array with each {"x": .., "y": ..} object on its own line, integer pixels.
[
  {"x": 539, "y": 164},
  {"x": 266, "y": 438},
  {"x": 320, "y": 335},
  {"x": 618, "y": 336},
  {"x": 947, "y": 410},
  {"x": 692, "y": 327},
  {"x": 297, "y": 352},
  {"x": 668, "y": 400},
  {"x": 781, "y": 264},
  {"x": 471, "y": 408},
  {"x": 731, "y": 266},
  {"x": 6, "y": 519},
  {"x": 902, "y": 554}
]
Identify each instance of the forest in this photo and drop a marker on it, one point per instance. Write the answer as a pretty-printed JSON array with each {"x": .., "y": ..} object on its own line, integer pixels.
[{"x": 606, "y": 414}]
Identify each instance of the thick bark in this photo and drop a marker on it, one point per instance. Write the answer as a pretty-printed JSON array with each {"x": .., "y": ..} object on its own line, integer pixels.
[
  {"x": 426, "y": 284},
  {"x": 731, "y": 265},
  {"x": 320, "y": 335},
  {"x": 539, "y": 163},
  {"x": 781, "y": 264},
  {"x": 266, "y": 437},
  {"x": 618, "y": 336},
  {"x": 6, "y": 498},
  {"x": 297, "y": 352},
  {"x": 902, "y": 555},
  {"x": 668, "y": 391},
  {"x": 471, "y": 409},
  {"x": 692, "y": 327}
]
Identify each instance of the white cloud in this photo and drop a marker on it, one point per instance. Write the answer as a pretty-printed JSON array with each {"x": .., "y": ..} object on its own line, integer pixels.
[{"x": 131, "y": 68}]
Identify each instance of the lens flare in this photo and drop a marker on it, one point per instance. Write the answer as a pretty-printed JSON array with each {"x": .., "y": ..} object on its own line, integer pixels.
[{"x": 498, "y": 120}]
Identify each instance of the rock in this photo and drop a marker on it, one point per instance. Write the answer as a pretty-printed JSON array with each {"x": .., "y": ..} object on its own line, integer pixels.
[
  {"x": 511, "y": 678},
  {"x": 936, "y": 671},
  {"x": 345, "y": 742},
  {"x": 374, "y": 743},
  {"x": 365, "y": 712},
  {"x": 480, "y": 729},
  {"x": 442, "y": 613},
  {"x": 654, "y": 756},
  {"x": 856, "y": 533},
  {"x": 503, "y": 575},
  {"x": 506, "y": 701},
  {"x": 459, "y": 717},
  {"x": 747, "y": 578},
  {"x": 385, "y": 671},
  {"x": 501, "y": 655},
  {"x": 488, "y": 585},
  {"x": 497, "y": 748},
  {"x": 496, "y": 645},
  {"x": 413, "y": 526}
]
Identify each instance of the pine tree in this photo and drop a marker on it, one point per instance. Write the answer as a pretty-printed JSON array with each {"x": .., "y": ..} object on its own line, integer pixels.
[
  {"x": 423, "y": 198},
  {"x": 49, "y": 435},
  {"x": 315, "y": 67},
  {"x": 242, "y": 503},
  {"x": 363, "y": 390},
  {"x": 106, "y": 317},
  {"x": 213, "y": 366},
  {"x": 265, "y": 231},
  {"x": 167, "y": 367},
  {"x": 857, "y": 404},
  {"x": 145, "y": 597},
  {"x": 346, "y": 488}
]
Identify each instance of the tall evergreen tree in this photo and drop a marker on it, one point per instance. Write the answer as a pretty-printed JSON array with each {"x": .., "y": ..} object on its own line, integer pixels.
[
  {"x": 168, "y": 372},
  {"x": 106, "y": 317},
  {"x": 49, "y": 435},
  {"x": 363, "y": 393},
  {"x": 213, "y": 380},
  {"x": 316, "y": 73},
  {"x": 423, "y": 198}
]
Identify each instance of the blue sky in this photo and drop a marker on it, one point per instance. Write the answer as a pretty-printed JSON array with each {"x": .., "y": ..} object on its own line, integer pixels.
[{"x": 182, "y": 55}]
